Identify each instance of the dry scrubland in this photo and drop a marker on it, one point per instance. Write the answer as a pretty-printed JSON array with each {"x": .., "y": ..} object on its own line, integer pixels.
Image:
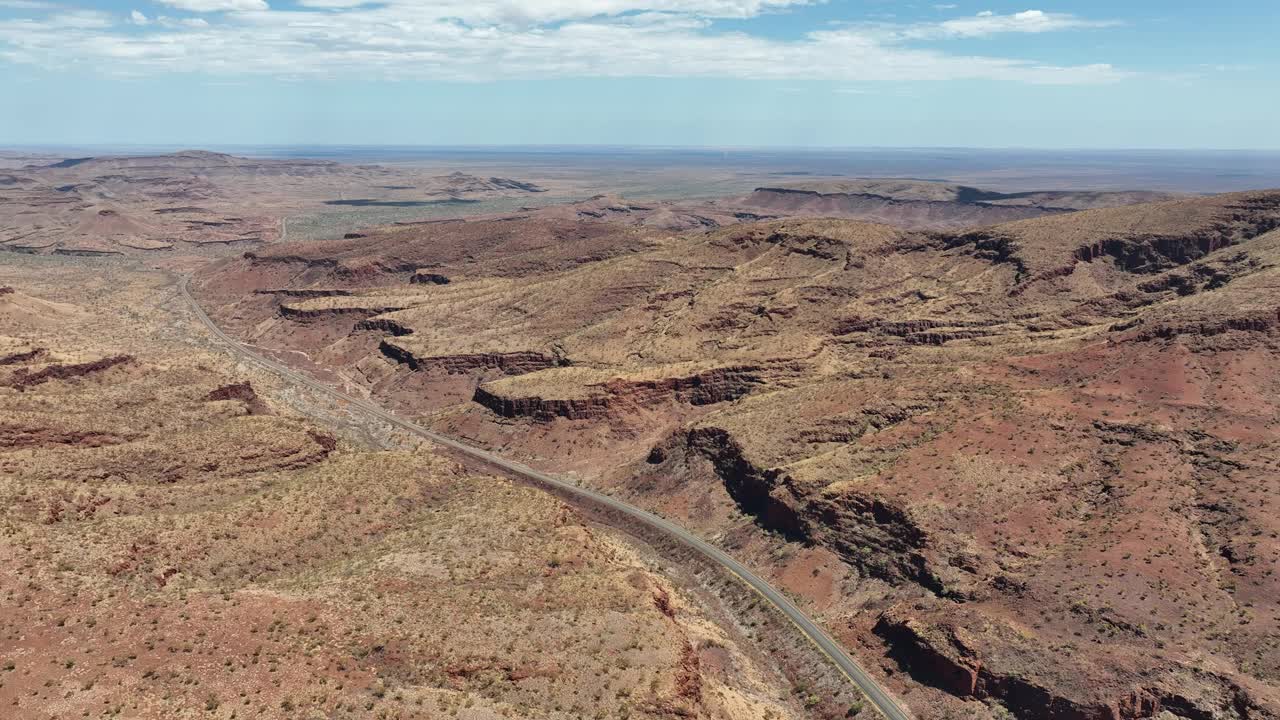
[
  {"x": 214, "y": 205},
  {"x": 207, "y": 204},
  {"x": 1025, "y": 468},
  {"x": 178, "y": 541},
  {"x": 1021, "y": 461}
]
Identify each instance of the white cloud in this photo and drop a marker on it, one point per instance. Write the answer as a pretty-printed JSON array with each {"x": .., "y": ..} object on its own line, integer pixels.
[
  {"x": 476, "y": 40},
  {"x": 216, "y": 5},
  {"x": 1030, "y": 21},
  {"x": 333, "y": 3},
  {"x": 69, "y": 20},
  {"x": 550, "y": 11},
  {"x": 988, "y": 23},
  {"x": 138, "y": 18},
  {"x": 170, "y": 22}
]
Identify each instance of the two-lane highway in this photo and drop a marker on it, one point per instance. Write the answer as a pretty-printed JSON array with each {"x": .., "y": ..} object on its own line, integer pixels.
[{"x": 877, "y": 695}]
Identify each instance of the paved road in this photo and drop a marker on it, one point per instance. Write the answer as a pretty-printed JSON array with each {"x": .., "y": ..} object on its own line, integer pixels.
[{"x": 877, "y": 695}]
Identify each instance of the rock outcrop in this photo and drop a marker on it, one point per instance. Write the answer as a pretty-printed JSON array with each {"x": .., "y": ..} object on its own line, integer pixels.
[
  {"x": 22, "y": 356},
  {"x": 1157, "y": 253},
  {"x": 22, "y": 378},
  {"x": 949, "y": 657},
  {"x": 511, "y": 363},
  {"x": 764, "y": 494},
  {"x": 989, "y": 481},
  {"x": 305, "y": 314},
  {"x": 705, "y": 388},
  {"x": 242, "y": 392},
  {"x": 537, "y": 408},
  {"x": 1256, "y": 322},
  {"x": 384, "y": 325},
  {"x": 14, "y": 436},
  {"x": 428, "y": 278},
  {"x": 304, "y": 292}
]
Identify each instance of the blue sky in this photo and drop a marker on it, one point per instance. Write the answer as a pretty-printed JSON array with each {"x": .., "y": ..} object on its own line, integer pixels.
[{"x": 1119, "y": 74}]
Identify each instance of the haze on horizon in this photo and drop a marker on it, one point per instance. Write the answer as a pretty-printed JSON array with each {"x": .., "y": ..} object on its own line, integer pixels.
[{"x": 758, "y": 73}]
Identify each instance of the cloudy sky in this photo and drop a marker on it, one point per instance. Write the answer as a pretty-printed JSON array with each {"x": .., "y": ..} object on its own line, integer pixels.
[{"x": 1139, "y": 73}]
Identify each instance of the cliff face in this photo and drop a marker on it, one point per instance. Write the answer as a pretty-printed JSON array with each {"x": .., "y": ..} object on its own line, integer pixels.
[
  {"x": 878, "y": 536},
  {"x": 884, "y": 207},
  {"x": 869, "y": 532},
  {"x": 943, "y": 657},
  {"x": 964, "y": 664},
  {"x": 304, "y": 292},
  {"x": 304, "y": 314},
  {"x": 544, "y": 409},
  {"x": 512, "y": 363},
  {"x": 428, "y": 278},
  {"x": 619, "y": 394},
  {"x": 1261, "y": 321},
  {"x": 387, "y": 326},
  {"x": 1140, "y": 253}
]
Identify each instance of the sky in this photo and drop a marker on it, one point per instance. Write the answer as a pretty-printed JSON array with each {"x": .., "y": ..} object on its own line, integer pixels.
[{"x": 721, "y": 73}]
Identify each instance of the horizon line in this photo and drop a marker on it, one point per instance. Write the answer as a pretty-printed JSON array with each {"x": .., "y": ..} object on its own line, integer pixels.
[{"x": 618, "y": 146}]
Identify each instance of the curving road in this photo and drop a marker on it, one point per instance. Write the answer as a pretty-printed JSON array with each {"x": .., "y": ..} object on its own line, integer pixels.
[{"x": 877, "y": 695}]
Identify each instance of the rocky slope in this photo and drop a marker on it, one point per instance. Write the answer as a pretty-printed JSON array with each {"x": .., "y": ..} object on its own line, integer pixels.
[
  {"x": 194, "y": 202},
  {"x": 175, "y": 541},
  {"x": 1035, "y": 461},
  {"x": 923, "y": 204}
]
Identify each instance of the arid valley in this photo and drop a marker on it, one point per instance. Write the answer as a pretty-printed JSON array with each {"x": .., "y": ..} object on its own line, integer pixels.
[{"x": 1013, "y": 446}]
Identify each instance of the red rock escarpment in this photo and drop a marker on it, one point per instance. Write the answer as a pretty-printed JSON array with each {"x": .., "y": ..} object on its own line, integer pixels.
[
  {"x": 763, "y": 493},
  {"x": 1241, "y": 221},
  {"x": 538, "y": 408},
  {"x": 305, "y": 314},
  {"x": 384, "y": 325},
  {"x": 237, "y": 391},
  {"x": 948, "y": 657},
  {"x": 1258, "y": 322},
  {"x": 22, "y": 357},
  {"x": 19, "y": 436},
  {"x": 921, "y": 331},
  {"x": 944, "y": 656},
  {"x": 706, "y": 388},
  {"x": 353, "y": 269},
  {"x": 870, "y": 532},
  {"x": 23, "y": 379},
  {"x": 305, "y": 292},
  {"x": 511, "y": 363},
  {"x": 427, "y": 278},
  {"x": 242, "y": 392},
  {"x": 1162, "y": 252}
]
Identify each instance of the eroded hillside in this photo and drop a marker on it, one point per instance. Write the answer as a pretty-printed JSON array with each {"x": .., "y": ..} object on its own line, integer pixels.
[
  {"x": 1029, "y": 465},
  {"x": 202, "y": 203},
  {"x": 922, "y": 204},
  {"x": 178, "y": 540}
]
